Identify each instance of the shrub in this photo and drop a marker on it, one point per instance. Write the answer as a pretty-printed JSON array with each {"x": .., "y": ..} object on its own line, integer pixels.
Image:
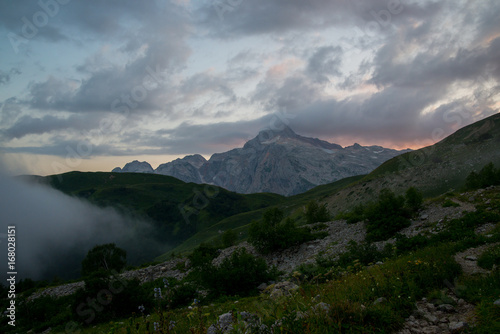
[
  {"x": 489, "y": 258},
  {"x": 239, "y": 274},
  {"x": 448, "y": 203},
  {"x": 414, "y": 199},
  {"x": 404, "y": 244},
  {"x": 43, "y": 312},
  {"x": 272, "y": 233},
  {"x": 203, "y": 254},
  {"x": 364, "y": 253},
  {"x": 357, "y": 214},
  {"x": 105, "y": 297},
  {"x": 386, "y": 217},
  {"x": 183, "y": 295},
  {"x": 316, "y": 213},
  {"x": 106, "y": 257},
  {"x": 487, "y": 176}
]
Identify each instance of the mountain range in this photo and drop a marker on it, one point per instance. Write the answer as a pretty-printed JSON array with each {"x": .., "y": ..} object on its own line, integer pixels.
[{"x": 276, "y": 161}]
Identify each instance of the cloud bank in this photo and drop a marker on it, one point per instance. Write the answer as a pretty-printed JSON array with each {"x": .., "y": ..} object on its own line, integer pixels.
[{"x": 54, "y": 231}]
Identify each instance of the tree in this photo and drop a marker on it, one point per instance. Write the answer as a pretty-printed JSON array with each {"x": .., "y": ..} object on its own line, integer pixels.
[
  {"x": 316, "y": 213},
  {"x": 487, "y": 176},
  {"x": 105, "y": 258},
  {"x": 272, "y": 233},
  {"x": 414, "y": 199},
  {"x": 239, "y": 274},
  {"x": 386, "y": 217}
]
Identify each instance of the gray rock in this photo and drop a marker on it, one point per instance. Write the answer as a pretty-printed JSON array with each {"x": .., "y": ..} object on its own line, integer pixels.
[
  {"x": 446, "y": 308},
  {"x": 457, "y": 326},
  {"x": 282, "y": 289},
  {"x": 471, "y": 258},
  {"x": 262, "y": 287},
  {"x": 321, "y": 308},
  {"x": 379, "y": 300},
  {"x": 223, "y": 325},
  {"x": 497, "y": 302},
  {"x": 430, "y": 318}
]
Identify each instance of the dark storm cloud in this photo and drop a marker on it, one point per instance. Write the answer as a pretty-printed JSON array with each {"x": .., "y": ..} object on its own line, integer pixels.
[
  {"x": 202, "y": 82},
  {"x": 325, "y": 61},
  {"x": 488, "y": 14},
  {"x": 428, "y": 69},
  {"x": 240, "y": 18},
  {"x": 27, "y": 19},
  {"x": 28, "y": 125},
  {"x": 151, "y": 34},
  {"x": 206, "y": 139}
]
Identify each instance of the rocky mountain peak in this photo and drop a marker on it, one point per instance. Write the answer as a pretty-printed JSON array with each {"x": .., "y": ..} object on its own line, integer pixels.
[
  {"x": 136, "y": 167},
  {"x": 277, "y": 160}
]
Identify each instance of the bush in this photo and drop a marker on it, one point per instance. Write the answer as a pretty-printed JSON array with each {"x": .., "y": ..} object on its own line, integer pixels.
[
  {"x": 106, "y": 257},
  {"x": 239, "y": 274},
  {"x": 487, "y": 176},
  {"x": 105, "y": 297},
  {"x": 405, "y": 244},
  {"x": 183, "y": 295},
  {"x": 448, "y": 203},
  {"x": 489, "y": 258},
  {"x": 414, "y": 199},
  {"x": 364, "y": 253},
  {"x": 272, "y": 233},
  {"x": 203, "y": 254},
  {"x": 316, "y": 213},
  {"x": 43, "y": 312},
  {"x": 386, "y": 217}
]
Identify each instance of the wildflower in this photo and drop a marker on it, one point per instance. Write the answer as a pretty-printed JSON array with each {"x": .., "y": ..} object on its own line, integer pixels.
[
  {"x": 171, "y": 325},
  {"x": 196, "y": 301},
  {"x": 165, "y": 283},
  {"x": 157, "y": 292},
  {"x": 142, "y": 308},
  {"x": 156, "y": 326}
]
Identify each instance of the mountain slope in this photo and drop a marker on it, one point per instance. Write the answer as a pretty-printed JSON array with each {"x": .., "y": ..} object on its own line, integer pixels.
[
  {"x": 278, "y": 161},
  {"x": 185, "y": 169},
  {"x": 434, "y": 169},
  {"x": 177, "y": 209}
]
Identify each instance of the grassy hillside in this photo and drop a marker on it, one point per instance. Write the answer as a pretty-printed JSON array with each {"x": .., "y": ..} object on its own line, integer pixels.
[
  {"x": 293, "y": 206},
  {"x": 434, "y": 170},
  {"x": 177, "y": 209}
]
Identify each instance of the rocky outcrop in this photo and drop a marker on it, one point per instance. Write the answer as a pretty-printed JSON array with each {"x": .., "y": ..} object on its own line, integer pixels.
[
  {"x": 148, "y": 274},
  {"x": 436, "y": 316},
  {"x": 185, "y": 169},
  {"x": 135, "y": 167}
]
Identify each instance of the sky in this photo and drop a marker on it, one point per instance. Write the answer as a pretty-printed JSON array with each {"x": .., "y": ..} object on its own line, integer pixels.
[{"x": 91, "y": 85}]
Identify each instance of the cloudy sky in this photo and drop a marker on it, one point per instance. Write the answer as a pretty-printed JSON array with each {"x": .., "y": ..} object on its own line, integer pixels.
[{"x": 91, "y": 85}]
